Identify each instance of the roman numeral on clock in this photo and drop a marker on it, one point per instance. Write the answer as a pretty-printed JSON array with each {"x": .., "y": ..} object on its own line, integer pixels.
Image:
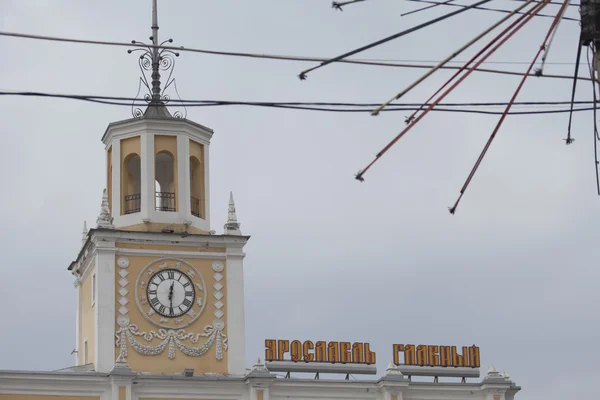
[
  {"x": 154, "y": 301},
  {"x": 171, "y": 274},
  {"x": 189, "y": 293},
  {"x": 187, "y": 302}
]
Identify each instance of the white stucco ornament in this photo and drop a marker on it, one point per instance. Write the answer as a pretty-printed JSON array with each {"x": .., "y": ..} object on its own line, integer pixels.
[
  {"x": 219, "y": 324},
  {"x": 232, "y": 226},
  {"x": 104, "y": 221},
  {"x": 122, "y": 320},
  {"x": 218, "y": 266},
  {"x": 392, "y": 369},
  {"x": 123, "y": 262},
  {"x": 171, "y": 339}
]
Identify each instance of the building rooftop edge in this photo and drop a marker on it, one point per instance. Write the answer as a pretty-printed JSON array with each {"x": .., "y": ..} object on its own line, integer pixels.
[
  {"x": 192, "y": 235},
  {"x": 131, "y": 120},
  {"x": 241, "y": 378}
]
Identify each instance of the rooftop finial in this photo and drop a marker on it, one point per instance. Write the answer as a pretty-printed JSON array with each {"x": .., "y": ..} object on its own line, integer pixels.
[
  {"x": 104, "y": 220},
  {"x": 153, "y": 59},
  {"x": 232, "y": 226},
  {"x": 84, "y": 234},
  {"x": 155, "y": 56}
]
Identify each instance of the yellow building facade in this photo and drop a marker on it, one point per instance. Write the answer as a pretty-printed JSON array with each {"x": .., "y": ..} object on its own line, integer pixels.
[{"x": 160, "y": 295}]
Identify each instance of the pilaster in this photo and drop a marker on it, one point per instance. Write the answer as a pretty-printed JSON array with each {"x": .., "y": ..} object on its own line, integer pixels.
[
  {"x": 147, "y": 175},
  {"x": 77, "y": 330},
  {"x": 104, "y": 313},
  {"x": 121, "y": 388},
  {"x": 183, "y": 176},
  {"x": 236, "y": 327},
  {"x": 392, "y": 383},
  {"x": 206, "y": 215},
  {"x": 259, "y": 380},
  {"x": 494, "y": 394},
  {"x": 115, "y": 201}
]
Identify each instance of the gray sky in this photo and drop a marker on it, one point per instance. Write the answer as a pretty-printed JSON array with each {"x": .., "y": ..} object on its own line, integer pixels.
[{"x": 330, "y": 258}]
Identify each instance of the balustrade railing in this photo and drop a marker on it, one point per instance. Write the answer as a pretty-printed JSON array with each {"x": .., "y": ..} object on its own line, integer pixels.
[
  {"x": 165, "y": 201},
  {"x": 133, "y": 203},
  {"x": 195, "y": 204}
]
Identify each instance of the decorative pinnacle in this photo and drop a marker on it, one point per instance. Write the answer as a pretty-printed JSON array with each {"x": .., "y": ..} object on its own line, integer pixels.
[
  {"x": 392, "y": 369},
  {"x": 232, "y": 226},
  {"x": 259, "y": 366},
  {"x": 104, "y": 219},
  {"x": 84, "y": 234},
  {"x": 121, "y": 365}
]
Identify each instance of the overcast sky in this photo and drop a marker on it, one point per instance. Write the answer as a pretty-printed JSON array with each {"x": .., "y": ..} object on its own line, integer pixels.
[{"x": 514, "y": 271}]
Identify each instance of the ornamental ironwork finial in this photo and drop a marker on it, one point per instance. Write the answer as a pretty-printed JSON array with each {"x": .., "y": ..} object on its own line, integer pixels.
[{"x": 154, "y": 58}]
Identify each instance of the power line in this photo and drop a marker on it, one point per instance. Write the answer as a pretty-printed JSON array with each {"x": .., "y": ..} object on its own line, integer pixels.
[
  {"x": 268, "y": 56},
  {"x": 425, "y": 8},
  {"x": 317, "y": 106},
  {"x": 484, "y": 8},
  {"x": 414, "y": 119},
  {"x": 405, "y": 32},
  {"x": 455, "y": 54},
  {"x": 488, "y": 144},
  {"x": 553, "y": 3}
]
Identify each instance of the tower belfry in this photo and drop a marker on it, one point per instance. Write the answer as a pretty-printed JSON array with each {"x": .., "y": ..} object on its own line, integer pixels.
[
  {"x": 157, "y": 177},
  {"x": 158, "y": 291}
]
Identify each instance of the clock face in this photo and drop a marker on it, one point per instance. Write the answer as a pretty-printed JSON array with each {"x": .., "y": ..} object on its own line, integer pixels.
[{"x": 170, "y": 293}]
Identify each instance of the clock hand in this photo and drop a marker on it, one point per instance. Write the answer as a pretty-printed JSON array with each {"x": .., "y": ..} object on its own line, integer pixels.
[{"x": 171, "y": 294}]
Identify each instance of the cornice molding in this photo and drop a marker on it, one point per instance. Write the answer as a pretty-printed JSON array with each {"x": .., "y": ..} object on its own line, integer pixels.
[
  {"x": 173, "y": 253},
  {"x": 175, "y": 126}
]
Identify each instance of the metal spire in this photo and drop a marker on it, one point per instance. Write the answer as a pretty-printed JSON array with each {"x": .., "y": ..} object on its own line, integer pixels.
[
  {"x": 155, "y": 56},
  {"x": 153, "y": 59}
]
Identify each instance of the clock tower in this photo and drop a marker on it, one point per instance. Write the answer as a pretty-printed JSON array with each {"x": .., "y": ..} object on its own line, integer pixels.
[{"x": 158, "y": 291}]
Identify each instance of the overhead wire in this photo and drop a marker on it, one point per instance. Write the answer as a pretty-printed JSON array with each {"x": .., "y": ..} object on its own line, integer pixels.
[
  {"x": 558, "y": 3},
  {"x": 405, "y": 32},
  {"x": 450, "y": 57},
  {"x": 596, "y": 134},
  {"x": 426, "y": 8},
  {"x": 552, "y": 27},
  {"x": 264, "y": 56},
  {"x": 318, "y": 106},
  {"x": 485, "y": 8},
  {"x": 502, "y": 37},
  {"x": 540, "y": 71},
  {"x": 569, "y": 139}
]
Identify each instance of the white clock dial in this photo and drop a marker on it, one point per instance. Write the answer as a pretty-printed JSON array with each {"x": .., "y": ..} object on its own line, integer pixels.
[{"x": 170, "y": 293}]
